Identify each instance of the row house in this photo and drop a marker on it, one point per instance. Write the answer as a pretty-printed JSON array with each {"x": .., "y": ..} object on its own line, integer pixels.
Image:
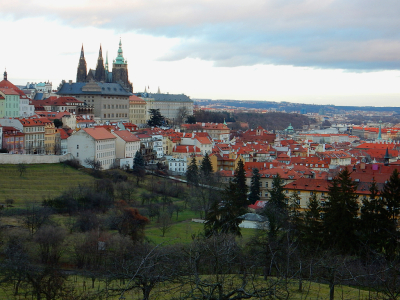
[
  {"x": 335, "y": 158},
  {"x": 202, "y": 142},
  {"x": 93, "y": 144},
  {"x": 64, "y": 135},
  {"x": 34, "y": 131},
  {"x": 127, "y": 144},
  {"x": 177, "y": 165},
  {"x": 217, "y": 131},
  {"x": 52, "y": 140},
  {"x": 185, "y": 151},
  {"x": 146, "y": 147},
  {"x": 66, "y": 103},
  {"x": 18, "y": 104},
  {"x": 13, "y": 140},
  {"x": 137, "y": 110}
]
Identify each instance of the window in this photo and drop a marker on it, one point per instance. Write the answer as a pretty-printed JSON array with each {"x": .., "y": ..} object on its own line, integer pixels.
[
  {"x": 77, "y": 154},
  {"x": 266, "y": 184},
  {"x": 311, "y": 193}
]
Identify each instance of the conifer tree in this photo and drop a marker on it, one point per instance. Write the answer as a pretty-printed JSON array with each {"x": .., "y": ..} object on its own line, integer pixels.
[
  {"x": 341, "y": 214},
  {"x": 278, "y": 198},
  {"x": 224, "y": 217},
  {"x": 206, "y": 166},
  {"x": 156, "y": 119},
  {"x": 138, "y": 167},
  {"x": 313, "y": 226},
  {"x": 192, "y": 172},
  {"x": 255, "y": 187},
  {"x": 375, "y": 220},
  {"x": 391, "y": 198}
]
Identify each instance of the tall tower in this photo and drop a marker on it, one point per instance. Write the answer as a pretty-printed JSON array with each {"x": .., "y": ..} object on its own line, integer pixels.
[
  {"x": 100, "y": 74},
  {"x": 81, "y": 73},
  {"x": 120, "y": 69}
]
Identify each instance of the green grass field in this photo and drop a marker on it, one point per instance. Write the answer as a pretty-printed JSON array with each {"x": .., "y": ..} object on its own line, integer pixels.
[{"x": 38, "y": 181}]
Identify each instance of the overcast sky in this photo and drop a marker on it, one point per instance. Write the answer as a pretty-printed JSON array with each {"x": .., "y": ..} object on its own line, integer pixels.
[{"x": 344, "y": 52}]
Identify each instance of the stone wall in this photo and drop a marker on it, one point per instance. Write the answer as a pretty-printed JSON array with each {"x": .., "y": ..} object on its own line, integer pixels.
[{"x": 6, "y": 158}]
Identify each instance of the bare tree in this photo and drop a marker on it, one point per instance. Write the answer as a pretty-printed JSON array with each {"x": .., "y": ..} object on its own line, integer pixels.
[
  {"x": 164, "y": 223},
  {"x": 35, "y": 217},
  {"x": 50, "y": 241},
  {"x": 21, "y": 168}
]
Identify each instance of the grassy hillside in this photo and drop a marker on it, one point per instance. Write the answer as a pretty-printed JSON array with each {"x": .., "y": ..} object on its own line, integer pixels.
[{"x": 38, "y": 181}]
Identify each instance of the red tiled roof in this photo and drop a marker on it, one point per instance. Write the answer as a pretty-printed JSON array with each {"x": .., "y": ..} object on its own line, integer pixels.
[
  {"x": 127, "y": 136},
  {"x": 99, "y": 133}
]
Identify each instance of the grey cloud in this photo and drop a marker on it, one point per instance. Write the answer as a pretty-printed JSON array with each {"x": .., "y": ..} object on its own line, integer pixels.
[{"x": 356, "y": 35}]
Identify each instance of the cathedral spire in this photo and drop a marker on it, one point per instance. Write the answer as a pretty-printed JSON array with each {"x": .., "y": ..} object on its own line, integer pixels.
[
  {"x": 81, "y": 73},
  {"x": 100, "y": 74},
  {"x": 107, "y": 61}
]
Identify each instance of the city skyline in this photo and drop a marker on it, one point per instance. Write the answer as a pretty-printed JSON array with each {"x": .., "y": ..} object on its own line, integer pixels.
[{"x": 335, "y": 52}]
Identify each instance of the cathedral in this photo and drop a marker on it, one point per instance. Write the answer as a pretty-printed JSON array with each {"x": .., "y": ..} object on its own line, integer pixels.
[{"x": 119, "y": 72}]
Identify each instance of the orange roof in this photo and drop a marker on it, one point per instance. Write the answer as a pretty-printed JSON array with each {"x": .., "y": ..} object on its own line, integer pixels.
[
  {"x": 99, "y": 133},
  {"x": 127, "y": 136},
  {"x": 8, "y": 91},
  {"x": 34, "y": 122}
]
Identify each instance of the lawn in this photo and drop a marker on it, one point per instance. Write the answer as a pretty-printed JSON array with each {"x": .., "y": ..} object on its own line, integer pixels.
[{"x": 38, "y": 181}]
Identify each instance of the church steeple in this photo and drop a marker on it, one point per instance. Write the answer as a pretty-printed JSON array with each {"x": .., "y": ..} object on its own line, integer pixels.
[
  {"x": 120, "y": 70},
  {"x": 81, "y": 73},
  {"x": 5, "y": 74},
  {"x": 100, "y": 74},
  {"x": 386, "y": 158}
]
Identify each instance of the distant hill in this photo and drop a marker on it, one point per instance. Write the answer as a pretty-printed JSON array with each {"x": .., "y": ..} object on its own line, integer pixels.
[{"x": 291, "y": 107}]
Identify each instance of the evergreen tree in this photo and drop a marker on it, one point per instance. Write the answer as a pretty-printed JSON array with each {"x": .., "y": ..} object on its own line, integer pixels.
[
  {"x": 375, "y": 220},
  {"x": 138, "y": 167},
  {"x": 206, "y": 166},
  {"x": 341, "y": 212},
  {"x": 278, "y": 198},
  {"x": 391, "y": 198},
  {"x": 391, "y": 195},
  {"x": 240, "y": 186},
  {"x": 312, "y": 227},
  {"x": 192, "y": 172},
  {"x": 156, "y": 119},
  {"x": 255, "y": 187},
  {"x": 224, "y": 217},
  {"x": 276, "y": 209}
]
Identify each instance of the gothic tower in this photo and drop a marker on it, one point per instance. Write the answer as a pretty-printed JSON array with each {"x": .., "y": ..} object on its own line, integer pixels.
[
  {"x": 120, "y": 70},
  {"x": 100, "y": 74},
  {"x": 81, "y": 73}
]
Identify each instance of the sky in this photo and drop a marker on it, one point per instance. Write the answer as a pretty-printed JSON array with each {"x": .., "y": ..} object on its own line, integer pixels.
[{"x": 342, "y": 52}]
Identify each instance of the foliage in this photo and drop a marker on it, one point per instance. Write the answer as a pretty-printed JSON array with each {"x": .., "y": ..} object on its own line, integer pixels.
[
  {"x": 138, "y": 167},
  {"x": 192, "y": 172},
  {"x": 58, "y": 123},
  {"x": 206, "y": 167},
  {"x": 224, "y": 216},
  {"x": 341, "y": 214},
  {"x": 156, "y": 119},
  {"x": 277, "y": 196},
  {"x": 191, "y": 120},
  {"x": 255, "y": 187},
  {"x": 128, "y": 221}
]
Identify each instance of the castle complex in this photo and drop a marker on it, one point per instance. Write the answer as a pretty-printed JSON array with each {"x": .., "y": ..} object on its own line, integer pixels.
[{"x": 119, "y": 72}]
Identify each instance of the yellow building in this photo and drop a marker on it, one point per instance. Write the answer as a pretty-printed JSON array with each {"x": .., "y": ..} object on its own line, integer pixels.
[
  {"x": 137, "y": 110},
  {"x": 52, "y": 140}
]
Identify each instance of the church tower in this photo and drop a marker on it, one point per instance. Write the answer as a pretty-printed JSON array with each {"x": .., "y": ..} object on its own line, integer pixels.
[
  {"x": 120, "y": 70},
  {"x": 81, "y": 73},
  {"x": 100, "y": 74}
]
